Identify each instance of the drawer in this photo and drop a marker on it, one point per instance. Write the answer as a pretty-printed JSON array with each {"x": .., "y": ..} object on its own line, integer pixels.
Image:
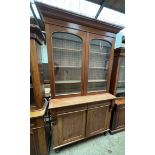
[
  {"x": 99, "y": 104},
  {"x": 69, "y": 109}
]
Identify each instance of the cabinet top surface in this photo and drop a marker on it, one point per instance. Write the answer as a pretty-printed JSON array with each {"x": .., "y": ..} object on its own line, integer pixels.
[
  {"x": 120, "y": 101},
  {"x": 64, "y": 102},
  {"x": 39, "y": 112}
]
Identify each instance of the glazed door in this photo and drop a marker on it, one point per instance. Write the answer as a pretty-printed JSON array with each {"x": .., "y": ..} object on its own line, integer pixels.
[
  {"x": 97, "y": 120},
  {"x": 70, "y": 127},
  {"x": 120, "y": 88},
  {"x": 99, "y": 58},
  {"x": 65, "y": 53}
]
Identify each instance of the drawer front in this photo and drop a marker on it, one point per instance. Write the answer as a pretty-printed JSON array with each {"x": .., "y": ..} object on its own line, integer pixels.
[
  {"x": 98, "y": 104},
  {"x": 70, "y": 109}
]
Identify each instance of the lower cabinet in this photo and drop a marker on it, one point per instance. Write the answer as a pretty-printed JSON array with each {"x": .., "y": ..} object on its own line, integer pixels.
[
  {"x": 38, "y": 139},
  {"x": 34, "y": 146},
  {"x": 118, "y": 118},
  {"x": 76, "y": 123}
]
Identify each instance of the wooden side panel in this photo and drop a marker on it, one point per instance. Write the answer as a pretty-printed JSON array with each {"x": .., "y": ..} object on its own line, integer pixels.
[
  {"x": 119, "y": 52},
  {"x": 36, "y": 73},
  {"x": 70, "y": 127},
  {"x": 96, "y": 120},
  {"x": 114, "y": 75}
]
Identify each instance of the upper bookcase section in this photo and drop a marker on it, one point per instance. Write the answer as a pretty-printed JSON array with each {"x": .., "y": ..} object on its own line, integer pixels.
[{"x": 50, "y": 12}]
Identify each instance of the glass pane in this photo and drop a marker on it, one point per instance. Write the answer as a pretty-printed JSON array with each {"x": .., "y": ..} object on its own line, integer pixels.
[
  {"x": 32, "y": 101},
  {"x": 99, "y": 55},
  {"x": 96, "y": 86},
  {"x": 67, "y": 52},
  {"x": 120, "y": 91},
  {"x": 67, "y": 88},
  {"x": 46, "y": 77},
  {"x": 40, "y": 65}
]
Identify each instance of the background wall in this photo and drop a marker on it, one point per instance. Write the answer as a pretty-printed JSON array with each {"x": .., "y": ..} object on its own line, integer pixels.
[{"x": 118, "y": 41}]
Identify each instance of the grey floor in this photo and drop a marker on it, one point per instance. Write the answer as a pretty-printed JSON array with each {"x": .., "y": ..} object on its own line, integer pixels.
[{"x": 98, "y": 145}]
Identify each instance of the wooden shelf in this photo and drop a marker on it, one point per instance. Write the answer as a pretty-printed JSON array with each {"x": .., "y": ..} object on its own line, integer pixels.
[
  {"x": 58, "y": 94},
  {"x": 97, "y": 80},
  {"x": 68, "y": 67},
  {"x": 120, "y": 90},
  {"x": 98, "y": 53},
  {"x": 67, "y": 49},
  {"x": 121, "y": 81},
  {"x": 97, "y": 68},
  {"x": 96, "y": 91},
  {"x": 67, "y": 81}
]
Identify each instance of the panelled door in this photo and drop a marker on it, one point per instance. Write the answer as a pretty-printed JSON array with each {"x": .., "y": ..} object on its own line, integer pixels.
[
  {"x": 98, "y": 119},
  {"x": 70, "y": 127}
]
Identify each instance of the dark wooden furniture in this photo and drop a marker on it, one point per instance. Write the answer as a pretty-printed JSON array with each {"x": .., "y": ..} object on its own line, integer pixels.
[
  {"x": 117, "y": 88},
  {"x": 39, "y": 132},
  {"x": 80, "y": 55}
]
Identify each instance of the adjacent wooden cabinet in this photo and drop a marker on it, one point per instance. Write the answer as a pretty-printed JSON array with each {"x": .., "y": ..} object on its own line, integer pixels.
[
  {"x": 80, "y": 56},
  {"x": 39, "y": 132},
  {"x": 36, "y": 73},
  {"x": 117, "y": 88},
  {"x": 118, "y": 116}
]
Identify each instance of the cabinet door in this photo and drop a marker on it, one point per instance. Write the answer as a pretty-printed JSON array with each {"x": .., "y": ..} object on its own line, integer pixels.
[
  {"x": 99, "y": 63},
  {"x": 97, "y": 119},
  {"x": 70, "y": 127},
  {"x": 120, "y": 118},
  {"x": 34, "y": 146},
  {"x": 66, "y": 60}
]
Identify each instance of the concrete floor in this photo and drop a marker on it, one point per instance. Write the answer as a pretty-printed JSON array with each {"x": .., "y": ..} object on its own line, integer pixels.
[{"x": 98, "y": 145}]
